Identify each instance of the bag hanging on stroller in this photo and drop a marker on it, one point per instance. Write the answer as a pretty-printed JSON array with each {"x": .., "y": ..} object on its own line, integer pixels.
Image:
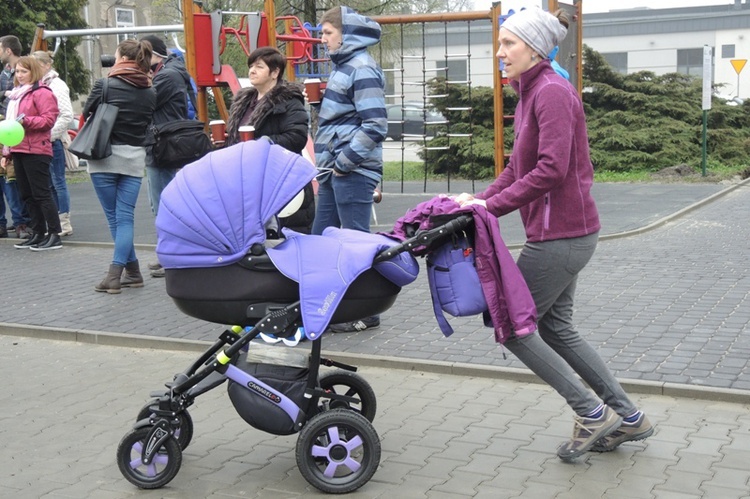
[{"x": 454, "y": 282}]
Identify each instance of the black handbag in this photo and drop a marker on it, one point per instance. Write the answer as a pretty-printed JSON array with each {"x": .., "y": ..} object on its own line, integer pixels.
[
  {"x": 180, "y": 142},
  {"x": 93, "y": 140}
]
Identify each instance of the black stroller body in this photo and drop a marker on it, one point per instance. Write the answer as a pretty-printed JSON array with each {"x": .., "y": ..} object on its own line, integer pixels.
[{"x": 338, "y": 449}]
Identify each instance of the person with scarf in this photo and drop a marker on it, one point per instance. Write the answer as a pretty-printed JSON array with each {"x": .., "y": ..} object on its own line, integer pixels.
[
  {"x": 117, "y": 178},
  {"x": 33, "y": 105},
  {"x": 549, "y": 180},
  {"x": 352, "y": 125},
  {"x": 276, "y": 109},
  {"x": 57, "y": 166}
]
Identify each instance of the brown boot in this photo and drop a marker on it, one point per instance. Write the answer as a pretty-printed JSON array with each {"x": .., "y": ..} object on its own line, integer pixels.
[
  {"x": 132, "y": 277},
  {"x": 111, "y": 283}
]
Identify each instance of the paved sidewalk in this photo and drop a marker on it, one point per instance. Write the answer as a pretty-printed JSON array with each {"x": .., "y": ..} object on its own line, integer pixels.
[
  {"x": 667, "y": 307},
  {"x": 443, "y": 436}
]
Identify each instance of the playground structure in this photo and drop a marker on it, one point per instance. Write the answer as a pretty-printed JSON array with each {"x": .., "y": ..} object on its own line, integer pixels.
[{"x": 407, "y": 71}]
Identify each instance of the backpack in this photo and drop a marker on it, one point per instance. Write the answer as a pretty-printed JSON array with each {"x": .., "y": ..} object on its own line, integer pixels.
[
  {"x": 454, "y": 282},
  {"x": 180, "y": 142}
]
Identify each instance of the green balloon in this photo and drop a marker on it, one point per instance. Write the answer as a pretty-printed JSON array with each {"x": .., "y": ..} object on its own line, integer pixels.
[{"x": 11, "y": 133}]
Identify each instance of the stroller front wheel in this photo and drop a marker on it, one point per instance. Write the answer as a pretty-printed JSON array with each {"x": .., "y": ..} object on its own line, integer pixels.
[
  {"x": 183, "y": 433},
  {"x": 347, "y": 383},
  {"x": 162, "y": 469},
  {"x": 338, "y": 451}
]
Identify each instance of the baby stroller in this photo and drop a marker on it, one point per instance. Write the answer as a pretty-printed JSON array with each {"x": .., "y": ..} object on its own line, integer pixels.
[{"x": 216, "y": 242}]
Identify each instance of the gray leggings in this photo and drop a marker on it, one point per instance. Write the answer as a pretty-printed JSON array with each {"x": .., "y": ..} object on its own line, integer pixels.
[{"x": 551, "y": 271}]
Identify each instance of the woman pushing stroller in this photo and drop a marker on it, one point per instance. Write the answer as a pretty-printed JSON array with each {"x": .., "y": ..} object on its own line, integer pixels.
[{"x": 548, "y": 179}]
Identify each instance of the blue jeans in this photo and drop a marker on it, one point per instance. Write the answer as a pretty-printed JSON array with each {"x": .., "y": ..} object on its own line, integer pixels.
[
  {"x": 57, "y": 172},
  {"x": 158, "y": 178},
  {"x": 118, "y": 195},
  {"x": 345, "y": 202},
  {"x": 18, "y": 211}
]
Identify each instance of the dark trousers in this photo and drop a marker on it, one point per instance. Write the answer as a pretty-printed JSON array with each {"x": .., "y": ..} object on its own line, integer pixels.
[{"x": 33, "y": 178}]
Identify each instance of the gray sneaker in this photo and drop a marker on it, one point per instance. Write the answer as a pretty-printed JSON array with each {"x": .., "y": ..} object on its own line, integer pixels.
[
  {"x": 586, "y": 432},
  {"x": 160, "y": 272},
  {"x": 627, "y": 432}
]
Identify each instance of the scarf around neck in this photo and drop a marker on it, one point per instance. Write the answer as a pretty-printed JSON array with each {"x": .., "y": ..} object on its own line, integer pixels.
[
  {"x": 129, "y": 72},
  {"x": 14, "y": 100},
  {"x": 51, "y": 75}
]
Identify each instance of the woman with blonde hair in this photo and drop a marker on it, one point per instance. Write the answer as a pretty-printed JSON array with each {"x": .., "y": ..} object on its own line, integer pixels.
[
  {"x": 33, "y": 105},
  {"x": 59, "y": 132}
]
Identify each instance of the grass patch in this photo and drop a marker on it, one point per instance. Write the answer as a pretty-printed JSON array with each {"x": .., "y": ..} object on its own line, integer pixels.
[
  {"x": 632, "y": 177},
  {"x": 78, "y": 177},
  {"x": 414, "y": 170}
]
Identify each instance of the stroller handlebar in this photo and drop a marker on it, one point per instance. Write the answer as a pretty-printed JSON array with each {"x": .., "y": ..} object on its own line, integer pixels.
[{"x": 427, "y": 238}]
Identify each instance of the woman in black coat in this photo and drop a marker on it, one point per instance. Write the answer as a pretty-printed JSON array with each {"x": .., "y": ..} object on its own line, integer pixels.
[{"x": 276, "y": 109}]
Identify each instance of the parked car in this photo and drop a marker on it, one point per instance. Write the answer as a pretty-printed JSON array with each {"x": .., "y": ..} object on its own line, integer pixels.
[{"x": 409, "y": 119}]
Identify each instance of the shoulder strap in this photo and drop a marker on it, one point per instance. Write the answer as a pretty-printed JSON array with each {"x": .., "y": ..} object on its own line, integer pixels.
[
  {"x": 191, "y": 96},
  {"x": 105, "y": 86}
]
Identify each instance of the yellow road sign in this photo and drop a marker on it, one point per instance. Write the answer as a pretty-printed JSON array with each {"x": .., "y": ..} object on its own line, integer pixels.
[{"x": 738, "y": 64}]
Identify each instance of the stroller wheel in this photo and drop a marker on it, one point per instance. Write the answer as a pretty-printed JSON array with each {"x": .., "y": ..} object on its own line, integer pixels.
[
  {"x": 338, "y": 451},
  {"x": 159, "y": 472},
  {"x": 183, "y": 434},
  {"x": 352, "y": 385}
]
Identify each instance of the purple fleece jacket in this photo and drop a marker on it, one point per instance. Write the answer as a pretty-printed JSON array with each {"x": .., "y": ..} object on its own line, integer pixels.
[{"x": 550, "y": 174}]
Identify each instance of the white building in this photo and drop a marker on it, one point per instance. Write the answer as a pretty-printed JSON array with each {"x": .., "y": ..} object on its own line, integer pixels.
[
  {"x": 658, "y": 40},
  {"x": 672, "y": 40}
]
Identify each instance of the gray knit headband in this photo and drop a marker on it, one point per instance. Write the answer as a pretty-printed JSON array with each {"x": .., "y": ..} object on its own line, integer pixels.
[{"x": 539, "y": 29}]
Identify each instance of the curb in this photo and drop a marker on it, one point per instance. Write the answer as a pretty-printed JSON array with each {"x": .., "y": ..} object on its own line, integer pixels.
[{"x": 729, "y": 395}]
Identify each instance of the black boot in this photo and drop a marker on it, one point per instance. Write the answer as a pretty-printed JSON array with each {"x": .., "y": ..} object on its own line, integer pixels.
[
  {"x": 111, "y": 283},
  {"x": 132, "y": 277},
  {"x": 33, "y": 240},
  {"x": 52, "y": 242}
]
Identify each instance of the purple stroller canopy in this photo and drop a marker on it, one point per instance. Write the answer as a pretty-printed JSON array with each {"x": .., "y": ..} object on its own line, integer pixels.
[{"x": 216, "y": 208}]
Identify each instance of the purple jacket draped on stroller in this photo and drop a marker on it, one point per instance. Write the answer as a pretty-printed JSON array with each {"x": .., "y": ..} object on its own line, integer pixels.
[{"x": 511, "y": 308}]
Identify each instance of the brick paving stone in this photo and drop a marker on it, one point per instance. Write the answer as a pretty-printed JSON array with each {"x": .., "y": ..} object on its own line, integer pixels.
[{"x": 649, "y": 299}]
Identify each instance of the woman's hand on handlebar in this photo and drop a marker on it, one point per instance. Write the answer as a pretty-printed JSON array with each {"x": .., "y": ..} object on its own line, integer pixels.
[{"x": 466, "y": 199}]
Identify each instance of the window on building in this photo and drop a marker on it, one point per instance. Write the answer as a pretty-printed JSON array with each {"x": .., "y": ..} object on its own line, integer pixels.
[
  {"x": 124, "y": 18},
  {"x": 456, "y": 69},
  {"x": 618, "y": 61},
  {"x": 690, "y": 61},
  {"x": 727, "y": 51}
]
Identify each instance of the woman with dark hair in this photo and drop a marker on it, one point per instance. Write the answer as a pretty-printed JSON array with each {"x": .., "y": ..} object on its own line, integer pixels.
[
  {"x": 117, "y": 178},
  {"x": 276, "y": 109},
  {"x": 34, "y": 105},
  {"x": 549, "y": 180}
]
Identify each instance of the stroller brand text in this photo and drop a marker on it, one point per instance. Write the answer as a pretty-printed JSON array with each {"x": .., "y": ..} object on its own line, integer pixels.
[
  {"x": 262, "y": 391},
  {"x": 327, "y": 302}
]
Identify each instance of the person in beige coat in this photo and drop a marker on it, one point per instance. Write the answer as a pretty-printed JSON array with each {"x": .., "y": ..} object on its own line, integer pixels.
[{"x": 57, "y": 166}]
